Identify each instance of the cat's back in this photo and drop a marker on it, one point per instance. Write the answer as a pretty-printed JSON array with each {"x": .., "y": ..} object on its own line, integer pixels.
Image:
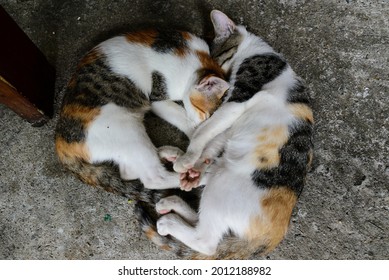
[
  {"x": 173, "y": 55},
  {"x": 126, "y": 71},
  {"x": 121, "y": 68}
]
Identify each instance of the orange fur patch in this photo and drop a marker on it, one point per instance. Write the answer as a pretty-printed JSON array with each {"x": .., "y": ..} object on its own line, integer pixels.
[
  {"x": 150, "y": 233},
  {"x": 302, "y": 111},
  {"x": 90, "y": 57},
  {"x": 70, "y": 151},
  {"x": 146, "y": 37},
  {"x": 199, "y": 104},
  {"x": 208, "y": 63},
  {"x": 166, "y": 247},
  {"x": 204, "y": 105},
  {"x": 181, "y": 52},
  {"x": 271, "y": 226},
  {"x": 267, "y": 152},
  {"x": 83, "y": 113},
  {"x": 198, "y": 256},
  {"x": 186, "y": 35}
]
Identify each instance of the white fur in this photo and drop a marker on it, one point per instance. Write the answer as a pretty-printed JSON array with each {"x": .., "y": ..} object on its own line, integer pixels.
[
  {"x": 118, "y": 135},
  {"x": 175, "y": 115},
  {"x": 138, "y": 63},
  {"x": 230, "y": 198}
]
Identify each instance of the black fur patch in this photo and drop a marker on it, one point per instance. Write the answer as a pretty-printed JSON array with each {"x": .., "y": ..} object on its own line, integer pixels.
[
  {"x": 88, "y": 98},
  {"x": 168, "y": 41},
  {"x": 70, "y": 129},
  {"x": 159, "y": 89},
  {"x": 93, "y": 86},
  {"x": 298, "y": 94},
  {"x": 293, "y": 164},
  {"x": 96, "y": 85},
  {"x": 254, "y": 73}
]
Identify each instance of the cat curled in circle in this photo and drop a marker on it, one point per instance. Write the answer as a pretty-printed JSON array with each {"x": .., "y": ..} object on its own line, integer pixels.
[
  {"x": 100, "y": 125},
  {"x": 252, "y": 155}
]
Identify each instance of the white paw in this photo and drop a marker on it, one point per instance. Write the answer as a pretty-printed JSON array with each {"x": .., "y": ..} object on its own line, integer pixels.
[
  {"x": 167, "y": 224},
  {"x": 167, "y": 204},
  {"x": 169, "y": 153},
  {"x": 185, "y": 162}
]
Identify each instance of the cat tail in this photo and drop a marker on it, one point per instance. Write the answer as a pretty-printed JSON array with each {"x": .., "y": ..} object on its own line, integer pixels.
[
  {"x": 106, "y": 176},
  {"x": 230, "y": 248},
  {"x": 233, "y": 248}
]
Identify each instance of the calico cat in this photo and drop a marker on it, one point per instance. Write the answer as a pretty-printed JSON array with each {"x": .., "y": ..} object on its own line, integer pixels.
[
  {"x": 253, "y": 154},
  {"x": 101, "y": 128}
]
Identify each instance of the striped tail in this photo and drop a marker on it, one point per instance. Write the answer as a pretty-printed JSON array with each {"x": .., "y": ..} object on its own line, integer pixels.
[{"x": 106, "y": 176}]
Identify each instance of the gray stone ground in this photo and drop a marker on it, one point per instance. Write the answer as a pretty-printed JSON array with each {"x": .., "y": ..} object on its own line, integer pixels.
[{"x": 341, "y": 48}]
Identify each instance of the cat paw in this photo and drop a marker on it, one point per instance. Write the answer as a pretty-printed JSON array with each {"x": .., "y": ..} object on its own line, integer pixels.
[
  {"x": 169, "y": 153},
  {"x": 185, "y": 162},
  {"x": 168, "y": 223},
  {"x": 167, "y": 204},
  {"x": 190, "y": 180}
]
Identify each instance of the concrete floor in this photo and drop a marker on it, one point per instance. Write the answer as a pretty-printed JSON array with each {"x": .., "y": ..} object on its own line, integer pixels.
[{"x": 341, "y": 49}]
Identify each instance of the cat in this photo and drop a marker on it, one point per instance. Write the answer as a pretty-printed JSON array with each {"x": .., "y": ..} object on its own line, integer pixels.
[
  {"x": 252, "y": 155},
  {"x": 100, "y": 135}
]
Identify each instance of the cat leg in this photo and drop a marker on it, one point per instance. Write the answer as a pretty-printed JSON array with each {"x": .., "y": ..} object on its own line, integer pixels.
[
  {"x": 199, "y": 238},
  {"x": 153, "y": 175},
  {"x": 188, "y": 180},
  {"x": 160, "y": 178},
  {"x": 220, "y": 121},
  {"x": 197, "y": 175},
  {"x": 146, "y": 166},
  {"x": 119, "y": 135},
  {"x": 179, "y": 206},
  {"x": 212, "y": 150},
  {"x": 150, "y": 171},
  {"x": 169, "y": 153},
  {"x": 126, "y": 173},
  {"x": 173, "y": 114}
]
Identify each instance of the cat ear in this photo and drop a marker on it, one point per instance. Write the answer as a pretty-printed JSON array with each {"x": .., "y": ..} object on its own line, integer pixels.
[
  {"x": 222, "y": 24},
  {"x": 212, "y": 86}
]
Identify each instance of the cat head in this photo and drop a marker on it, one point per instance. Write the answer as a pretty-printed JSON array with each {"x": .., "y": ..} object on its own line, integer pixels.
[
  {"x": 228, "y": 37},
  {"x": 205, "y": 97}
]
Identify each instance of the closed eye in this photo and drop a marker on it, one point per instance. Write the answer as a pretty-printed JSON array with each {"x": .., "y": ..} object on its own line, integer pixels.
[{"x": 227, "y": 55}]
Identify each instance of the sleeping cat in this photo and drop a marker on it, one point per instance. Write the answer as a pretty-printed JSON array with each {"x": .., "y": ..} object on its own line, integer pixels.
[
  {"x": 253, "y": 154},
  {"x": 115, "y": 84}
]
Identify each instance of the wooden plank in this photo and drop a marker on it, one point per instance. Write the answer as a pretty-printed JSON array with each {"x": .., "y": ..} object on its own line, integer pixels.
[
  {"x": 20, "y": 105},
  {"x": 24, "y": 66}
]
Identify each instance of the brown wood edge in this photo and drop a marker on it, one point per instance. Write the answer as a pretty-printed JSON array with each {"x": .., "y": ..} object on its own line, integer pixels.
[{"x": 14, "y": 100}]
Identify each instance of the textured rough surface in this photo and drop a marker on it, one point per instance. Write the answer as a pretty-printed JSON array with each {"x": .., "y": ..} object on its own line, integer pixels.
[{"x": 339, "y": 47}]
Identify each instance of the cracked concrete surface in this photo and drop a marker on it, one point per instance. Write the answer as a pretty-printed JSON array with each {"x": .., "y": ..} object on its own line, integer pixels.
[{"x": 340, "y": 47}]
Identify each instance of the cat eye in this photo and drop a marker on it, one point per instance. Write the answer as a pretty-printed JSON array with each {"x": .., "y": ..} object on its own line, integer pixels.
[{"x": 226, "y": 55}]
